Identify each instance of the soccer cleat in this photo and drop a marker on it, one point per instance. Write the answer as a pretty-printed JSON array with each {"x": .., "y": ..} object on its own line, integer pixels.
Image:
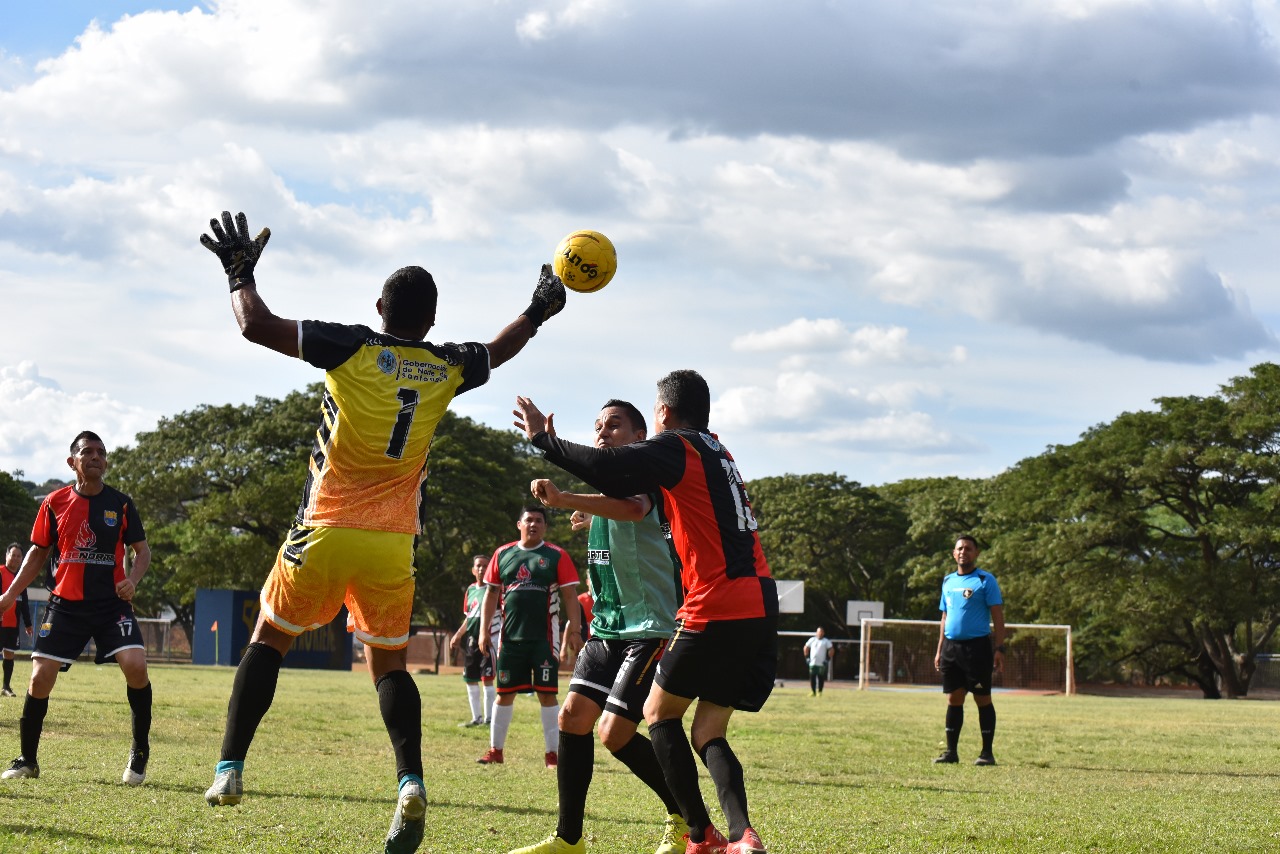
[
  {"x": 135, "y": 771},
  {"x": 673, "y": 835},
  {"x": 713, "y": 842},
  {"x": 492, "y": 756},
  {"x": 948, "y": 757},
  {"x": 471, "y": 723},
  {"x": 985, "y": 758},
  {"x": 6, "y": 691},
  {"x": 552, "y": 759},
  {"x": 21, "y": 769},
  {"x": 227, "y": 789},
  {"x": 749, "y": 844},
  {"x": 408, "y": 823},
  {"x": 554, "y": 845}
]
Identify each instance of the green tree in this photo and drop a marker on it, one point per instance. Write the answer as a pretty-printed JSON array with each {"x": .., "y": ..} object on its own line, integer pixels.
[
  {"x": 217, "y": 488},
  {"x": 841, "y": 538},
  {"x": 937, "y": 510},
  {"x": 1159, "y": 532},
  {"x": 17, "y": 511}
]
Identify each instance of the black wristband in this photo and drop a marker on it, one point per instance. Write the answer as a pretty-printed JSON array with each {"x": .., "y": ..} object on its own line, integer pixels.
[
  {"x": 999, "y": 648},
  {"x": 238, "y": 282}
]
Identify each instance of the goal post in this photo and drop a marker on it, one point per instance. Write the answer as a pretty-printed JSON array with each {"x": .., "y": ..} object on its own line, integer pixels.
[{"x": 1037, "y": 657}]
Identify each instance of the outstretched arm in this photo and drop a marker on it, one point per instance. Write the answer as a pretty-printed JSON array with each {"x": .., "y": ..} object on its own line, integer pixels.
[
  {"x": 239, "y": 255},
  {"x": 547, "y": 301}
]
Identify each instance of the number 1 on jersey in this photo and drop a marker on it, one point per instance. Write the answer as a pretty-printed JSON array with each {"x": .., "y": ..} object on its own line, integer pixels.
[{"x": 400, "y": 433}]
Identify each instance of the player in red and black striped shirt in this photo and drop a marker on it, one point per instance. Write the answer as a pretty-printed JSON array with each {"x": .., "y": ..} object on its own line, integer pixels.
[
  {"x": 724, "y": 651},
  {"x": 87, "y": 527},
  {"x": 15, "y": 617}
]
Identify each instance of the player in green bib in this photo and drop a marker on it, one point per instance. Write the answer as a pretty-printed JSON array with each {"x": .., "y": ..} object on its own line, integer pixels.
[
  {"x": 477, "y": 668},
  {"x": 635, "y": 584}
]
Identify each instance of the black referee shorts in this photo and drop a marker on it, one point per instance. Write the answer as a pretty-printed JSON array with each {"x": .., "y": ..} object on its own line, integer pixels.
[{"x": 968, "y": 664}]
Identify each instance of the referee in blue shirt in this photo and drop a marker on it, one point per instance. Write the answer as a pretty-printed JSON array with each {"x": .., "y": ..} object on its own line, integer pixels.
[{"x": 971, "y": 604}]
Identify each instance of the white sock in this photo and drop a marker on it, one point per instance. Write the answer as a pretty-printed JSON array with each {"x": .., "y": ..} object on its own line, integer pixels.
[
  {"x": 501, "y": 723},
  {"x": 551, "y": 727},
  {"x": 490, "y": 694},
  {"x": 473, "y": 698}
]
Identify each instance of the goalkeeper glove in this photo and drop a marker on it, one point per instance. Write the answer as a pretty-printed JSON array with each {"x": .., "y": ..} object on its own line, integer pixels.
[
  {"x": 548, "y": 298},
  {"x": 234, "y": 249}
]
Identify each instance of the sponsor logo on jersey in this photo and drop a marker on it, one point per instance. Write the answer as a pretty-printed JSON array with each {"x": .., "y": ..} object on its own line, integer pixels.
[
  {"x": 85, "y": 537},
  {"x": 597, "y": 555},
  {"x": 110, "y": 517},
  {"x": 387, "y": 362},
  {"x": 523, "y": 573},
  {"x": 423, "y": 372}
]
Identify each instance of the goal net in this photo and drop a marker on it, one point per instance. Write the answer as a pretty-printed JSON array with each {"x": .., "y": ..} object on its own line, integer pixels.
[{"x": 900, "y": 652}]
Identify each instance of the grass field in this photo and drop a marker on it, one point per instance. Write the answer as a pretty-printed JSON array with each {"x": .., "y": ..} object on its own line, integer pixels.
[{"x": 843, "y": 773}]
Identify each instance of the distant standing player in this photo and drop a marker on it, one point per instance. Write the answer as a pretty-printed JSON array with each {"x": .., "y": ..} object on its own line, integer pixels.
[
  {"x": 971, "y": 603},
  {"x": 819, "y": 650},
  {"x": 352, "y": 542},
  {"x": 89, "y": 527},
  {"x": 725, "y": 649},
  {"x": 636, "y": 591},
  {"x": 531, "y": 584},
  {"x": 12, "y": 620},
  {"x": 477, "y": 667}
]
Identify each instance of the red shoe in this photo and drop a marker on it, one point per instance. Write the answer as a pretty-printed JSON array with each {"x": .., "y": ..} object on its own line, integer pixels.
[
  {"x": 749, "y": 844},
  {"x": 492, "y": 756},
  {"x": 713, "y": 842},
  {"x": 552, "y": 759}
]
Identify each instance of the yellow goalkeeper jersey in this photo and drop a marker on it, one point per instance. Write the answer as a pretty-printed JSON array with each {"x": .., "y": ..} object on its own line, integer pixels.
[{"x": 383, "y": 398}]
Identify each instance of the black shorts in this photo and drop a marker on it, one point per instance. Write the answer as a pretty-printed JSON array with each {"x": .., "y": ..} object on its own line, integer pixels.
[
  {"x": 616, "y": 674},
  {"x": 68, "y": 626},
  {"x": 968, "y": 664},
  {"x": 731, "y": 663},
  {"x": 476, "y": 666},
  {"x": 9, "y": 638}
]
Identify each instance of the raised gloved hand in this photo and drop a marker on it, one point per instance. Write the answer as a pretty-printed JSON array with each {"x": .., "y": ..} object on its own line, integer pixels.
[
  {"x": 237, "y": 252},
  {"x": 548, "y": 298}
]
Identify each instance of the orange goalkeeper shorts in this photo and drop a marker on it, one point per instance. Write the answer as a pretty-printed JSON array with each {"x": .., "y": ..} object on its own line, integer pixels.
[{"x": 318, "y": 570}]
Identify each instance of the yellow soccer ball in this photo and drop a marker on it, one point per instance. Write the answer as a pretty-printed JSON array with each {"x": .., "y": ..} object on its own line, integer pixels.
[{"x": 585, "y": 261}]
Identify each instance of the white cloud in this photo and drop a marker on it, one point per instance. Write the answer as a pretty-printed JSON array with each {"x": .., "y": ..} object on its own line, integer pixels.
[
  {"x": 846, "y": 221},
  {"x": 38, "y": 420}
]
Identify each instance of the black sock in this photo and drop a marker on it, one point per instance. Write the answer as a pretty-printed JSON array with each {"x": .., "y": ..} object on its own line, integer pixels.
[
  {"x": 573, "y": 777},
  {"x": 671, "y": 746},
  {"x": 251, "y": 695},
  {"x": 726, "y": 771},
  {"x": 8, "y": 672},
  {"x": 822, "y": 680},
  {"x": 140, "y": 706},
  {"x": 401, "y": 707},
  {"x": 637, "y": 754},
  {"x": 813, "y": 683},
  {"x": 955, "y": 722},
  {"x": 30, "y": 725},
  {"x": 987, "y": 723}
]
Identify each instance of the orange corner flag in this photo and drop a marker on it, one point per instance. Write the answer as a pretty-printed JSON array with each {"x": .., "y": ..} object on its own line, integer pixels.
[{"x": 214, "y": 627}]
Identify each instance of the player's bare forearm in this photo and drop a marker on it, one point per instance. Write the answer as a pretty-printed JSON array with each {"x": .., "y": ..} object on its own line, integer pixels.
[
  {"x": 619, "y": 509},
  {"x": 510, "y": 341},
  {"x": 260, "y": 325},
  {"x": 570, "y": 608}
]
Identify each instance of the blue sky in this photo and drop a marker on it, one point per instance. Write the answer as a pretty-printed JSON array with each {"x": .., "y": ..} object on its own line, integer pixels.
[{"x": 899, "y": 240}]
